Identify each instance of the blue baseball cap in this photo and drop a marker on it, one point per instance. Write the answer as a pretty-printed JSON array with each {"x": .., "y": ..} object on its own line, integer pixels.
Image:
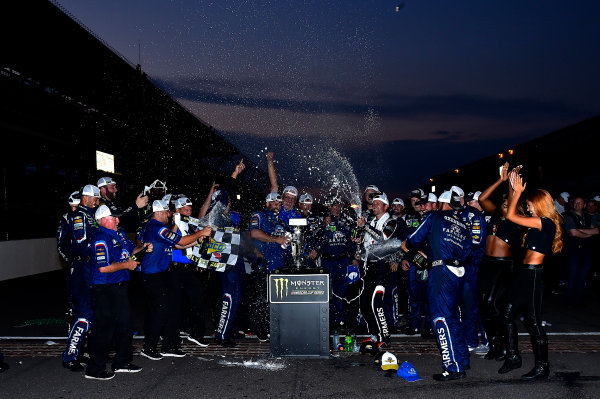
[{"x": 408, "y": 372}]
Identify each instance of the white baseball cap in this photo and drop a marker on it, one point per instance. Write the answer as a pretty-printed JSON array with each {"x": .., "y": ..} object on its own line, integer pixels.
[
  {"x": 74, "y": 198},
  {"x": 565, "y": 195},
  {"x": 104, "y": 181},
  {"x": 272, "y": 197},
  {"x": 431, "y": 197},
  {"x": 91, "y": 191},
  {"x": 381, "y": 197},
  {"x": 104, "y": 211},
  {"x": 398, "y": 201},
  {"x": 306, "y": 198},
  {"x": 389, "y": 361},
  {"x": 458, "y": 191},
  {"x": 160, "y": 205},
  {"x": 371, "y": 187},
  {"x": 290, "y": 190},
  {"x": 445, "y": 197},
  {"x": 181, "y": 202}
]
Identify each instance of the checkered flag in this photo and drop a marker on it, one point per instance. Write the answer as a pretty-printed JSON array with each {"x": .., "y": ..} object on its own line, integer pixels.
[{"x": 221, "y": 254}]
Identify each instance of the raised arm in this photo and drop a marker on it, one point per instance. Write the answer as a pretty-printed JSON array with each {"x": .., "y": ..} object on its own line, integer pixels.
[
  {"x": 239, "y": 168},
  {"x": 516, "y": 182},
  {"x": 484, "y": 198},
  {"x": 272, "y": 173},
  {"x": 206, "y": 204}
]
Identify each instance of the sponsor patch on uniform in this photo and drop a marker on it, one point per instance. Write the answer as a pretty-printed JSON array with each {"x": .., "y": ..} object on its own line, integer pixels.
[
  {"x": 167, "y": 235},
  {"x": 254, "y": 221}
]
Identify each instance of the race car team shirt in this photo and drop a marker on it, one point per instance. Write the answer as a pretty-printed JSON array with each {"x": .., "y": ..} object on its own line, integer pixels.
[
  {"x": 268, "y": 223},
  {"x": 163, "y": 240},
  {"x": 110, "y": 246},
  {"x": 287, "y": 215}
]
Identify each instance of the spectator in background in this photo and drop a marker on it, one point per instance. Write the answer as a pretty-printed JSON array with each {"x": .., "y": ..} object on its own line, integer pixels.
[
  {"x": 578, "y": 249},
  {"x": 561, "y": 201}
]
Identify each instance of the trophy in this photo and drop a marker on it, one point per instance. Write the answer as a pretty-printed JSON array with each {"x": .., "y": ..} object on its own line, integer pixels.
[{"x": 297, "y": 241}]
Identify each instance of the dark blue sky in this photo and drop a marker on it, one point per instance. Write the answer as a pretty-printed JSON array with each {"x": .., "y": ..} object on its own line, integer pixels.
[{"x": 404, "y": 95}]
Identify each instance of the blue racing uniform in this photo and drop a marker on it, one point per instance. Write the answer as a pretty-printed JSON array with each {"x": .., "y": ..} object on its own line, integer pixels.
[
  {"x": 232, "y": 285},
  {"x": 451, "y": 239},
  {"x": 110, "y": 301},
  {"x": 155, "y": 280},
  {"x": 417, "y": 289},
  {"x": 81, "y": 230},
  {"x": 336, "y": 250},
  {"x": 63, "y": 239},
  {"x": 268, "y": 223},
  {"x": 468, "y": 304},
  {"x": 287, "y": 215}
]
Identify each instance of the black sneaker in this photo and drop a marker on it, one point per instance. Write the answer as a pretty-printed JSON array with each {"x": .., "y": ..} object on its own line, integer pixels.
[
  {"x": 128, "y": 368},
  {"x": 225, "y": 343},
  {"x": 173, "y": 353},
  {"x": 449, "y": 375},
  {"x": 408, "y": 330},
  {"x": 103, "y": 375},
  {"x": 151, "y": 354},
  {"x": 201, "y": 341},
  {"x": 427, "y": 333},
  {"x": 237, "y": 334},
  {"x": 74, "y": 366}
]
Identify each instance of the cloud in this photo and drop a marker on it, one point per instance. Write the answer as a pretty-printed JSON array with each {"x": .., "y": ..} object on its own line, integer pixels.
[{"x": 330, "y": 100}]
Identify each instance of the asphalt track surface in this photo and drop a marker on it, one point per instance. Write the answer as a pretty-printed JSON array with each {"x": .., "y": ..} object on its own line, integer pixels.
[{"x": 248, "y": 370}]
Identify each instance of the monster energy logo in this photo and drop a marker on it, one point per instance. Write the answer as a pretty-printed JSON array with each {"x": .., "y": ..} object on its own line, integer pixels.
[{"x": 281, "y": 287}]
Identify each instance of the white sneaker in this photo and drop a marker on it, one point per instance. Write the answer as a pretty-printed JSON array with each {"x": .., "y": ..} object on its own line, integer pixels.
[{"x": 480, "y": 350}]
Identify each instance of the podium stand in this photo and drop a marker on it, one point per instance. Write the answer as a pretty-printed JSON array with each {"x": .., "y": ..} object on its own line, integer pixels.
[{"x": 299, "y": 305}]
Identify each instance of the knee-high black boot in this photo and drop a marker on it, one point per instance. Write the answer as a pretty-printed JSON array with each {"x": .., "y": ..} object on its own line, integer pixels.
[
  {"x": 541, "y": 369},
  {"x": 492, "y": 333},
  {"x": 511, "y": 340}
]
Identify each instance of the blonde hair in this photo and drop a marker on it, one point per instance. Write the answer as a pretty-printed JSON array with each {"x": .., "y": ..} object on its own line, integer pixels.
[{"x": 544, "y": 207}]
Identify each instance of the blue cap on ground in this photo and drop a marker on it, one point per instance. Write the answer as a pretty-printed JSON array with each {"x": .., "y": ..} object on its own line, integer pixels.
[{"x": 408, "y": 372}]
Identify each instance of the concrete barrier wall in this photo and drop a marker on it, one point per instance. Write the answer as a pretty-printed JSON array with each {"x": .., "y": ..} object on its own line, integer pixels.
[{"x": 22, "y": 258}]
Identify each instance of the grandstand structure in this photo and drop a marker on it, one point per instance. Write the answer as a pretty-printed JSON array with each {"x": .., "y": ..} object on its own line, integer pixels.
[{"x": 65, "y": 94}]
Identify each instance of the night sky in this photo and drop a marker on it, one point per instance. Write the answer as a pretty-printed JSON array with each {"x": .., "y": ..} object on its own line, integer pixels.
[{"x": 403, "y": 95}]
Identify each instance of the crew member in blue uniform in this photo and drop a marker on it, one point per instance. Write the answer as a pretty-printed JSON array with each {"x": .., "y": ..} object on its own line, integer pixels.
[
  {"x": 111, "y": 263},
  {"x": 450, "y": 237},
  {"x": 337, "y": 250},
  {"x": 289, "y": 196},
  {"x": 415, "y": 285},
  {"x": 154, "y": 279},
  {"x": 232, "y": 280},
  {"x": 63, "y": 235},
  {"x": 312, "y": 231},
  {"x": 268, "y": 234},
  {"x": 82, "y": 228},
  {"x": 472, "y": 324}
]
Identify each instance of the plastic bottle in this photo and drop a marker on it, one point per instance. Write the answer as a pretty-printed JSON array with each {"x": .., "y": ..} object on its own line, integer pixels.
[
  {"x": 355, "y": 345},
  {"x": 348, "y": 343},
  {"x": 336, "y": 340}
]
